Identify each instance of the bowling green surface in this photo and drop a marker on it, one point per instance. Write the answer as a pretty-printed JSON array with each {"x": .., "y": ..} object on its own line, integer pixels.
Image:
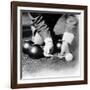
[{"x": 50, "y": 67}]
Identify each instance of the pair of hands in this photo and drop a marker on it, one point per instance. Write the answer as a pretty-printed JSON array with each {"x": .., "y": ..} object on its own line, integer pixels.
[{"x": 49, "y": 47}]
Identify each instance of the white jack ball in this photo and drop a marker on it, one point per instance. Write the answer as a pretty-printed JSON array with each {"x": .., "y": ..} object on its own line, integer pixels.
[{"x": 68, "y": 57}]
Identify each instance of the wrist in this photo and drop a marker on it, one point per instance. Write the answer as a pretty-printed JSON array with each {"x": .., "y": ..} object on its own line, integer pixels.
[{"x": 48, "y": 40}]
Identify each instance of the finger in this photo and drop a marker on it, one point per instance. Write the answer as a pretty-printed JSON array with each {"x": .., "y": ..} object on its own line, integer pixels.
[
  {"x": 43, "y": 27},
  {"x": 37, "y": 20}
]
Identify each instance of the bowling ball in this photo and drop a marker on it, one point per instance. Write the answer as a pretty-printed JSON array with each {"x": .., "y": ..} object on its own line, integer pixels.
[
  {"x": 26, "y": 45},
  {"x": 58, "y": 46},
  {"x": 35, "y": 51}
]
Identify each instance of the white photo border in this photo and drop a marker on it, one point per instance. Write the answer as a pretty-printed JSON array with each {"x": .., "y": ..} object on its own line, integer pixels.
[{"x": 81, "y": 47}]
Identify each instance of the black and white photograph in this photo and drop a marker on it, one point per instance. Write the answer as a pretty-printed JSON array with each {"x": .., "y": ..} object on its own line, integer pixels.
[{"x": 50, "y": 45}]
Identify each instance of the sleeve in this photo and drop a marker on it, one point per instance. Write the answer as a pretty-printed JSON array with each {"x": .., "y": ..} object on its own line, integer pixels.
[
  {"x": 59, "y": 27},
  {"x": 42, "y": 28},
  {"x": 68, "y": 37}
]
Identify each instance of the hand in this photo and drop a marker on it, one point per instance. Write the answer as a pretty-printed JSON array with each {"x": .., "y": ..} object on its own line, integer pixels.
[{"x": 47, "y": 48}]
